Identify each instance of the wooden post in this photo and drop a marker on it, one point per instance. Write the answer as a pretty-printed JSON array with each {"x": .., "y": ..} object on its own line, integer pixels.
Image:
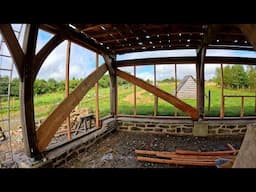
[
  {"x": 222, "y": 92},
  {"x": 209, "y": 100},
  {"x": 255, "y": 102},
  {"x": 97, "y": 95},
  {"x": 67, "y": 87},
  {"x": 242, "y": 107},
  {"x": 134, "y": 93},
  {"x": 200, "y": 81},
  {"x": 27, "y": 93},
  {"x": 175, "y": 71},
  {"x": 113, "y": 83},
  {"x": 155, "y": 97}
]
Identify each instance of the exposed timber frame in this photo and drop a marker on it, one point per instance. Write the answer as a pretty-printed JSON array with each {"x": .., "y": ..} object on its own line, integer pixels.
[
  {"x": 51, "y": 124},
  {"x": 67, "y": 87},
  {"x": 110, "y": 62},
  {"x": 97, "y": 123},
  {"x": 160, "y": 93},
  {"x": 28, "y": 64},
  {"x": 186, "y": 60},
  {"x": 200, "y": 81},
  {"x": 249, "y": 30}
]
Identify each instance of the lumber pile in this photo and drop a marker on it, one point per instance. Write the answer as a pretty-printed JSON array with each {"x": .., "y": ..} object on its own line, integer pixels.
[{"x": 186, "y": 157}]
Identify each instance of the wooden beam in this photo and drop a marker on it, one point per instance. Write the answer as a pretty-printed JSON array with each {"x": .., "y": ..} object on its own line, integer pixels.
[
  {"x": 222, "y": 93},
  {"x": 155, "y": 97},
  {"x": 13, "y": 46},
  {"x": 44, "y": 52},
  {"x": 26, "y": 91},
  {"x": 186, "y": 60},
  {"x": 51, "y": 124},
  {"x": 249, "y": 30},
  {"x": 75, "y": 37},
  {"x": 67, "y": 87},
  {"x": 200, "y": 81},
  {"x": 160, "y": 93},
  {"x": 176, "y": 86},
  {"x": 113, "y": 83},
  {"x": 134, "y": 93},
  {"x": 97, "y": 117}
]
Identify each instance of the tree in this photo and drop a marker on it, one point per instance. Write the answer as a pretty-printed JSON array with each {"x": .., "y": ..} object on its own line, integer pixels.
[
  {"x": 15, "y": 87},
  {"x": 252, "y": 77}
]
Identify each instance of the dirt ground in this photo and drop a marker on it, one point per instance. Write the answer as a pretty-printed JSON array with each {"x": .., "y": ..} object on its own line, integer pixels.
[{"x": 117, "y": 149}]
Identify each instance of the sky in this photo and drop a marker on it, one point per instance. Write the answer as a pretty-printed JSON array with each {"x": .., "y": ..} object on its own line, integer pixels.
[{"x": 83, "y": 62}]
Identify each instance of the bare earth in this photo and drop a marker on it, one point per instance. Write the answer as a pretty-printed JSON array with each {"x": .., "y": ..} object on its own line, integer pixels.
[{"x": 117, "y": 149}]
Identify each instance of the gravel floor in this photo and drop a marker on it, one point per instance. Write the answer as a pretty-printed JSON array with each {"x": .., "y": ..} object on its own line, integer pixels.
[{"x": 117, "y": 149}]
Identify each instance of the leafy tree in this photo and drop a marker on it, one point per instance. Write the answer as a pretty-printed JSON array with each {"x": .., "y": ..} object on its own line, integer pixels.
[
  {"x": 15, "y": 87},
  {"x": 252, "y": 77}
]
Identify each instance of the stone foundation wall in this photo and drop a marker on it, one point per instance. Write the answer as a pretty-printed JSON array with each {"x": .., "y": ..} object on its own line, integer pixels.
[
  {"x": 183, "y": 127},
  {"x": 63, "y": 154}
]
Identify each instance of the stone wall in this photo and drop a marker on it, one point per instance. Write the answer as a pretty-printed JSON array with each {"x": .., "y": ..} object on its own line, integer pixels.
[
  {"x": 183, "y": 127},
  {"x": 61, "y": 155}
]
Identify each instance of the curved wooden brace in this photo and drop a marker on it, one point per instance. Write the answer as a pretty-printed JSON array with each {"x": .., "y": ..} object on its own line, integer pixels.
[
  {"x": 44, "y": 52},
  {"x": 49, "y": 127}
]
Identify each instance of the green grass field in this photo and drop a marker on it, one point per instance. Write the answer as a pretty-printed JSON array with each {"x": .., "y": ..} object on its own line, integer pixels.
[{"x": 44, "y": 104}]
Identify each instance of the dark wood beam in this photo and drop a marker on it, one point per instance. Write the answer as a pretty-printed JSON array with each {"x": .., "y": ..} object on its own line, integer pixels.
[
  {"x": 27, "y": 92},
  {"x": 44, "y": 52},
  {"x": 113, "y": 83},
  {"x": 51, "y": 124},
  {"x": 13, "y": 46},
  {"x": 200, "y": 81},
  {"x": 249, "y": 30},
  {"x": 75, "y": 37},
  {"x": 160, "y": 93},
  {"x": 186, "y": 60}
]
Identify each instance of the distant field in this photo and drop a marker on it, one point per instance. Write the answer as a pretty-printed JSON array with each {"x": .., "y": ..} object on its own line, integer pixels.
[{"x": 44, "y": 104}]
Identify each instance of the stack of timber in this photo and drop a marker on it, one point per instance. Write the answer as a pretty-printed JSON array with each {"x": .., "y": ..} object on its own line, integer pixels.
[{"x": 186, "y": 157}]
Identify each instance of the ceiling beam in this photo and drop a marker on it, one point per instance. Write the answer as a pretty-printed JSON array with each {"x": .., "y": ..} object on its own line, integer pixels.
[
  {"x": 76, "y": 37},
  {"x": 186, "y": 60},
  {"x": 249, "y": 30}
]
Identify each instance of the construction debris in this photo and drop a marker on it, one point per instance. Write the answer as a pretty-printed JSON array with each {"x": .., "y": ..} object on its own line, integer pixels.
[{"x": 220, "y": 159}]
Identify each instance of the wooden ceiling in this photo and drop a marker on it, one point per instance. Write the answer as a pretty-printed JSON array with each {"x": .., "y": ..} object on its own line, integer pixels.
[{"x": 125, "y": 38}]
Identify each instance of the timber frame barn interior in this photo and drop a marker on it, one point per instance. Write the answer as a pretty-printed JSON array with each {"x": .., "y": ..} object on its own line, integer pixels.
[{"x": 110, "y": 40}]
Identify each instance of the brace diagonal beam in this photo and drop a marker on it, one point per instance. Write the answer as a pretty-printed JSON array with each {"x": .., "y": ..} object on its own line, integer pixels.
[
  {"x": 13, "y": 46},
  {"x": 49, "y": 127},
  {"x": 191, "y": 111},
  {"x": 44, "y": 52}
]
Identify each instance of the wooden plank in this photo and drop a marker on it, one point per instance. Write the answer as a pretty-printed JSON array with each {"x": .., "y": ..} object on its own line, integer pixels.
[
  {"x": 176, "y": 162},
  {"x": 187, "y": 152},
  {"x": 246, "y": 157},
  {"x": 97, "y": 116},
  {"x": 67, "y": 87},
  {"x": 44, "y": 52},
  {"x": 27, "y": 93},
  {"x": 49, "y": 127},
  {"x": 249, "y": 30},
  {"x": 160, "y": 93},
  {"x": 13, "y": 46},
  {"x": 186, "y": 60}
]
